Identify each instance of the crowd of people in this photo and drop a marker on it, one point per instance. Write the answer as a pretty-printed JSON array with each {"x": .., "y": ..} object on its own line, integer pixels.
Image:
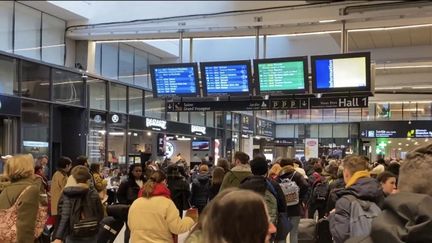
[{"x": 248, "y": 200}]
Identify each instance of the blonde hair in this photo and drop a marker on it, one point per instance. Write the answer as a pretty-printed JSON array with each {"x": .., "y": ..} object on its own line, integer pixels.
[
  {"x": 148, "y": 187},
  {"x": 19, "y": 167}
]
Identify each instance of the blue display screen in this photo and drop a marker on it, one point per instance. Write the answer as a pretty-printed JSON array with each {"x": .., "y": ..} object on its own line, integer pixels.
[
  {"x": 175, "y": 80},
  {"x": 323, "y": 77},
  {"x": 226, "y": 79}
]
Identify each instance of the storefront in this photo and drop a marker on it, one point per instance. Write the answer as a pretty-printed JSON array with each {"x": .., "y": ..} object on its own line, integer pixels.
[{"x": 393, "y": 139}]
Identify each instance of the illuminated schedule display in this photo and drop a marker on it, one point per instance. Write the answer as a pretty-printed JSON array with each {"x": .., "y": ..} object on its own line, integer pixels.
[
  {"x": 226, "y": 78},
  {"x": 281, "y": 75},
  {"x": 174, "y": 79}
]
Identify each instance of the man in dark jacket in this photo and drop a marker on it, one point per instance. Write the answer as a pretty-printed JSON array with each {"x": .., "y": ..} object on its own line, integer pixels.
[
  {"x": 407, "y": 215},
  {"x": 293, "y": 211},
  {"x": 201, "y": 188},
  {"x": 179, "y": 187},
  {"x": 358, "y": 184},
  {"x": 259, "y": 183}
]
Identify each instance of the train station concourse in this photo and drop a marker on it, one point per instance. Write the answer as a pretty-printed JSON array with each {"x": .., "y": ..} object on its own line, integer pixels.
[{"x": 152, "y": 121}]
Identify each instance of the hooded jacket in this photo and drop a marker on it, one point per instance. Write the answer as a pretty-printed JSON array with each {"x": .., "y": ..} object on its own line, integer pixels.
[
  {"x": 72, "y": 192},
  {"x": 364, "y": 188},
  {"x": 155, "y": 219},
  {"x": 200, "y": 190},
  {"x": 235, "y": 176},
  {"x": 406, "y": 217}
]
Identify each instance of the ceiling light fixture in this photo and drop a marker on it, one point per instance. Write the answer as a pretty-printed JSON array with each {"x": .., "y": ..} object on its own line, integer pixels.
[
  {"x": 391, "y": 28},
  {"x": 403, "y": 67},
  {"x": 306, "y": 33},
  {"x": 327, "y": 21}
]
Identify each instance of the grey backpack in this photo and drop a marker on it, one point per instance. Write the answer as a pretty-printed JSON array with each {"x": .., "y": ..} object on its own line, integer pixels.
[{"x": 361, "y": 215}]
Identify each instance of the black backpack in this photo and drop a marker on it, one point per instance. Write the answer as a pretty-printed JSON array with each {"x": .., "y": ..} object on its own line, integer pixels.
[
  {"x": 84, "y": 219},
  {"x": 320, "y": 191}
]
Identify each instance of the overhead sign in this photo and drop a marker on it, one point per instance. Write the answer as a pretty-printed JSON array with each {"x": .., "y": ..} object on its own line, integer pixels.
[
  {"x": 198, "y": 130},
  {"x": 247, "y": 125},
  {"x": 156, "y": 124},
  {"x": 271, "y": 104},
  {"x": 396, "y": 129},
  {"x": 265, "y": 128}
]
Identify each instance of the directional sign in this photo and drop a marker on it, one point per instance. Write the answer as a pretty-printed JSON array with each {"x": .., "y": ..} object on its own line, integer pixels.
[{"x": 271, "y": 104}]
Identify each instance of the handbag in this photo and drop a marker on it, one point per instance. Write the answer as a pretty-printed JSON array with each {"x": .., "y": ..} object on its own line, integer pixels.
[{"x": 8, "y": 224}]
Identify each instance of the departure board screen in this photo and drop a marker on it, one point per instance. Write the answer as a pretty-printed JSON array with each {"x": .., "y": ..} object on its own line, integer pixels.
[
  {"x": 281, "y": 75},
  {"x": 349, "y": 72},
  {"x": 226, "y": 78},
  {"x": 174, "y": 79}
]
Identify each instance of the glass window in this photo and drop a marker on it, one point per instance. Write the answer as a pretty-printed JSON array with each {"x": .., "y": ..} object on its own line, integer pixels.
[
  {"x": 96, "y": 138},
  {"x": 210, "y": 119},
  {"x": 300, "y": 131},
  {"x": 141, "y": 76},
  {"x": 117, "y": 147},
  {"x": 216, "y": 49},
  {"x": 219, "y": 119},
  {"x": 126, "y": 65},
  {"x": 35, "y": 80},
  {"x": 236, "y": 122},
  {"x": 67, "y": 87},
  {"x": 154, "y": 107},
  {"x": 424, "y": 111},
  {"x": 27, "y": 31},
  {"x": 184, "y": 117},
  {"x": 396, "y": 111},
  {"x": 152, "y": 60},
  {"x": 198, "y": 118},
  {"x": 304, "y": 115},
  {"x": 313, "y": 129},
  {"x": 8, "y": 82},
  {"x": 110, "y": 60},
  {"x": 382, "y": 111},
  {"x": 228, "y": 120},
  {"x": 172, "y": 116},
  {"x": 98, "y": 57},
  {"x": 53, "y": 39},
  {"x": 329, "y": 115},
  {"x": 341, "y": 130},
  {"x": 342, "y": 114},
  {"x": 325, "y": 131},
  {"x": 6, "y": 25},
  {"x": 118, "y": 98},
  {"x": 355, "y": 114},
  {"x": 97, "y": 94},
  {"x": 135, "y": 102},
  {"x": 316, "y": 114},
  {"x": 35, "y": 128},
  {"x": 409, "y": 111},
  {"x": 285, "y": 131}
]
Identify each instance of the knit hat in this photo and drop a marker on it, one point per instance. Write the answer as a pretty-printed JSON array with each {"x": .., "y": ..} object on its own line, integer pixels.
[
  {"x": 81, "y": 174},
  {"x": 259, "y": 166}
]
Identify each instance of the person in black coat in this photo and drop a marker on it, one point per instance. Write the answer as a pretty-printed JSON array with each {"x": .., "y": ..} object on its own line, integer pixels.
[
  {"x": 78, "y": 191},
  {"x": 201, "y": 188},
  {"x": 259, "y": 183},
  {"x": 128, "y": 190},
  {"x": 293, "y": 211},
  {"x": 179, "y": 187}
]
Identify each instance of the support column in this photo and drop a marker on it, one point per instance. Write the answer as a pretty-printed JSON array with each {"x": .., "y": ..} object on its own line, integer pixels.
[
  {"x": 344, "y": 38},
  {"x": 181, "y": 46}
]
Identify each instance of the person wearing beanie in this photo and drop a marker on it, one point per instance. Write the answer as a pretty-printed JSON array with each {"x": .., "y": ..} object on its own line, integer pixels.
[
  {"x": 78, "y": 195},
  {"x": 272, "y": 192}
]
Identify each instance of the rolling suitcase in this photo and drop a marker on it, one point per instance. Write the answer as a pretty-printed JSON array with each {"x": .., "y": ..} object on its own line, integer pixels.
[
  {"x": 307, "y": 231},
  {"x": 109, "y": 228}
]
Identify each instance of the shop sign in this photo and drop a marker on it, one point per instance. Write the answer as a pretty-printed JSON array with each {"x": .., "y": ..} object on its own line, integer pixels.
[
  {"x": 156, "y": 124},
  {"x": 199, "y": 130},
  {"x": 247, "y": 124},
  {"x": 423, "y": 133},
  {"x": 115, "y": 118},
  {"x": 311, "y": 148}
]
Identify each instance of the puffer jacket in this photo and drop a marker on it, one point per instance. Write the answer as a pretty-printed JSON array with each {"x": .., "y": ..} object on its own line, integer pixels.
[
  {"x": 287, "y": 172},
  {"x": 406, "y": 217},
  {"x": 367, "y": 189},
  {"x": 200, "y": 190},
  {"x": 29, "y": 207},
  {"x": 72, "y": 192}
]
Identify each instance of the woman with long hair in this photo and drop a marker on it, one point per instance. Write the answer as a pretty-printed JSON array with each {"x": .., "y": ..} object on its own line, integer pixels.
[
  {"x": 154, "y": 217},
  {"x": 216, "y": 181},
  {"x": 20, "y": 172}
]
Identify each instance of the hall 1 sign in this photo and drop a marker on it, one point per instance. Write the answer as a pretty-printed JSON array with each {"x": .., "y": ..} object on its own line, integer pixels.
[{"x": 338, "y": 102}]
